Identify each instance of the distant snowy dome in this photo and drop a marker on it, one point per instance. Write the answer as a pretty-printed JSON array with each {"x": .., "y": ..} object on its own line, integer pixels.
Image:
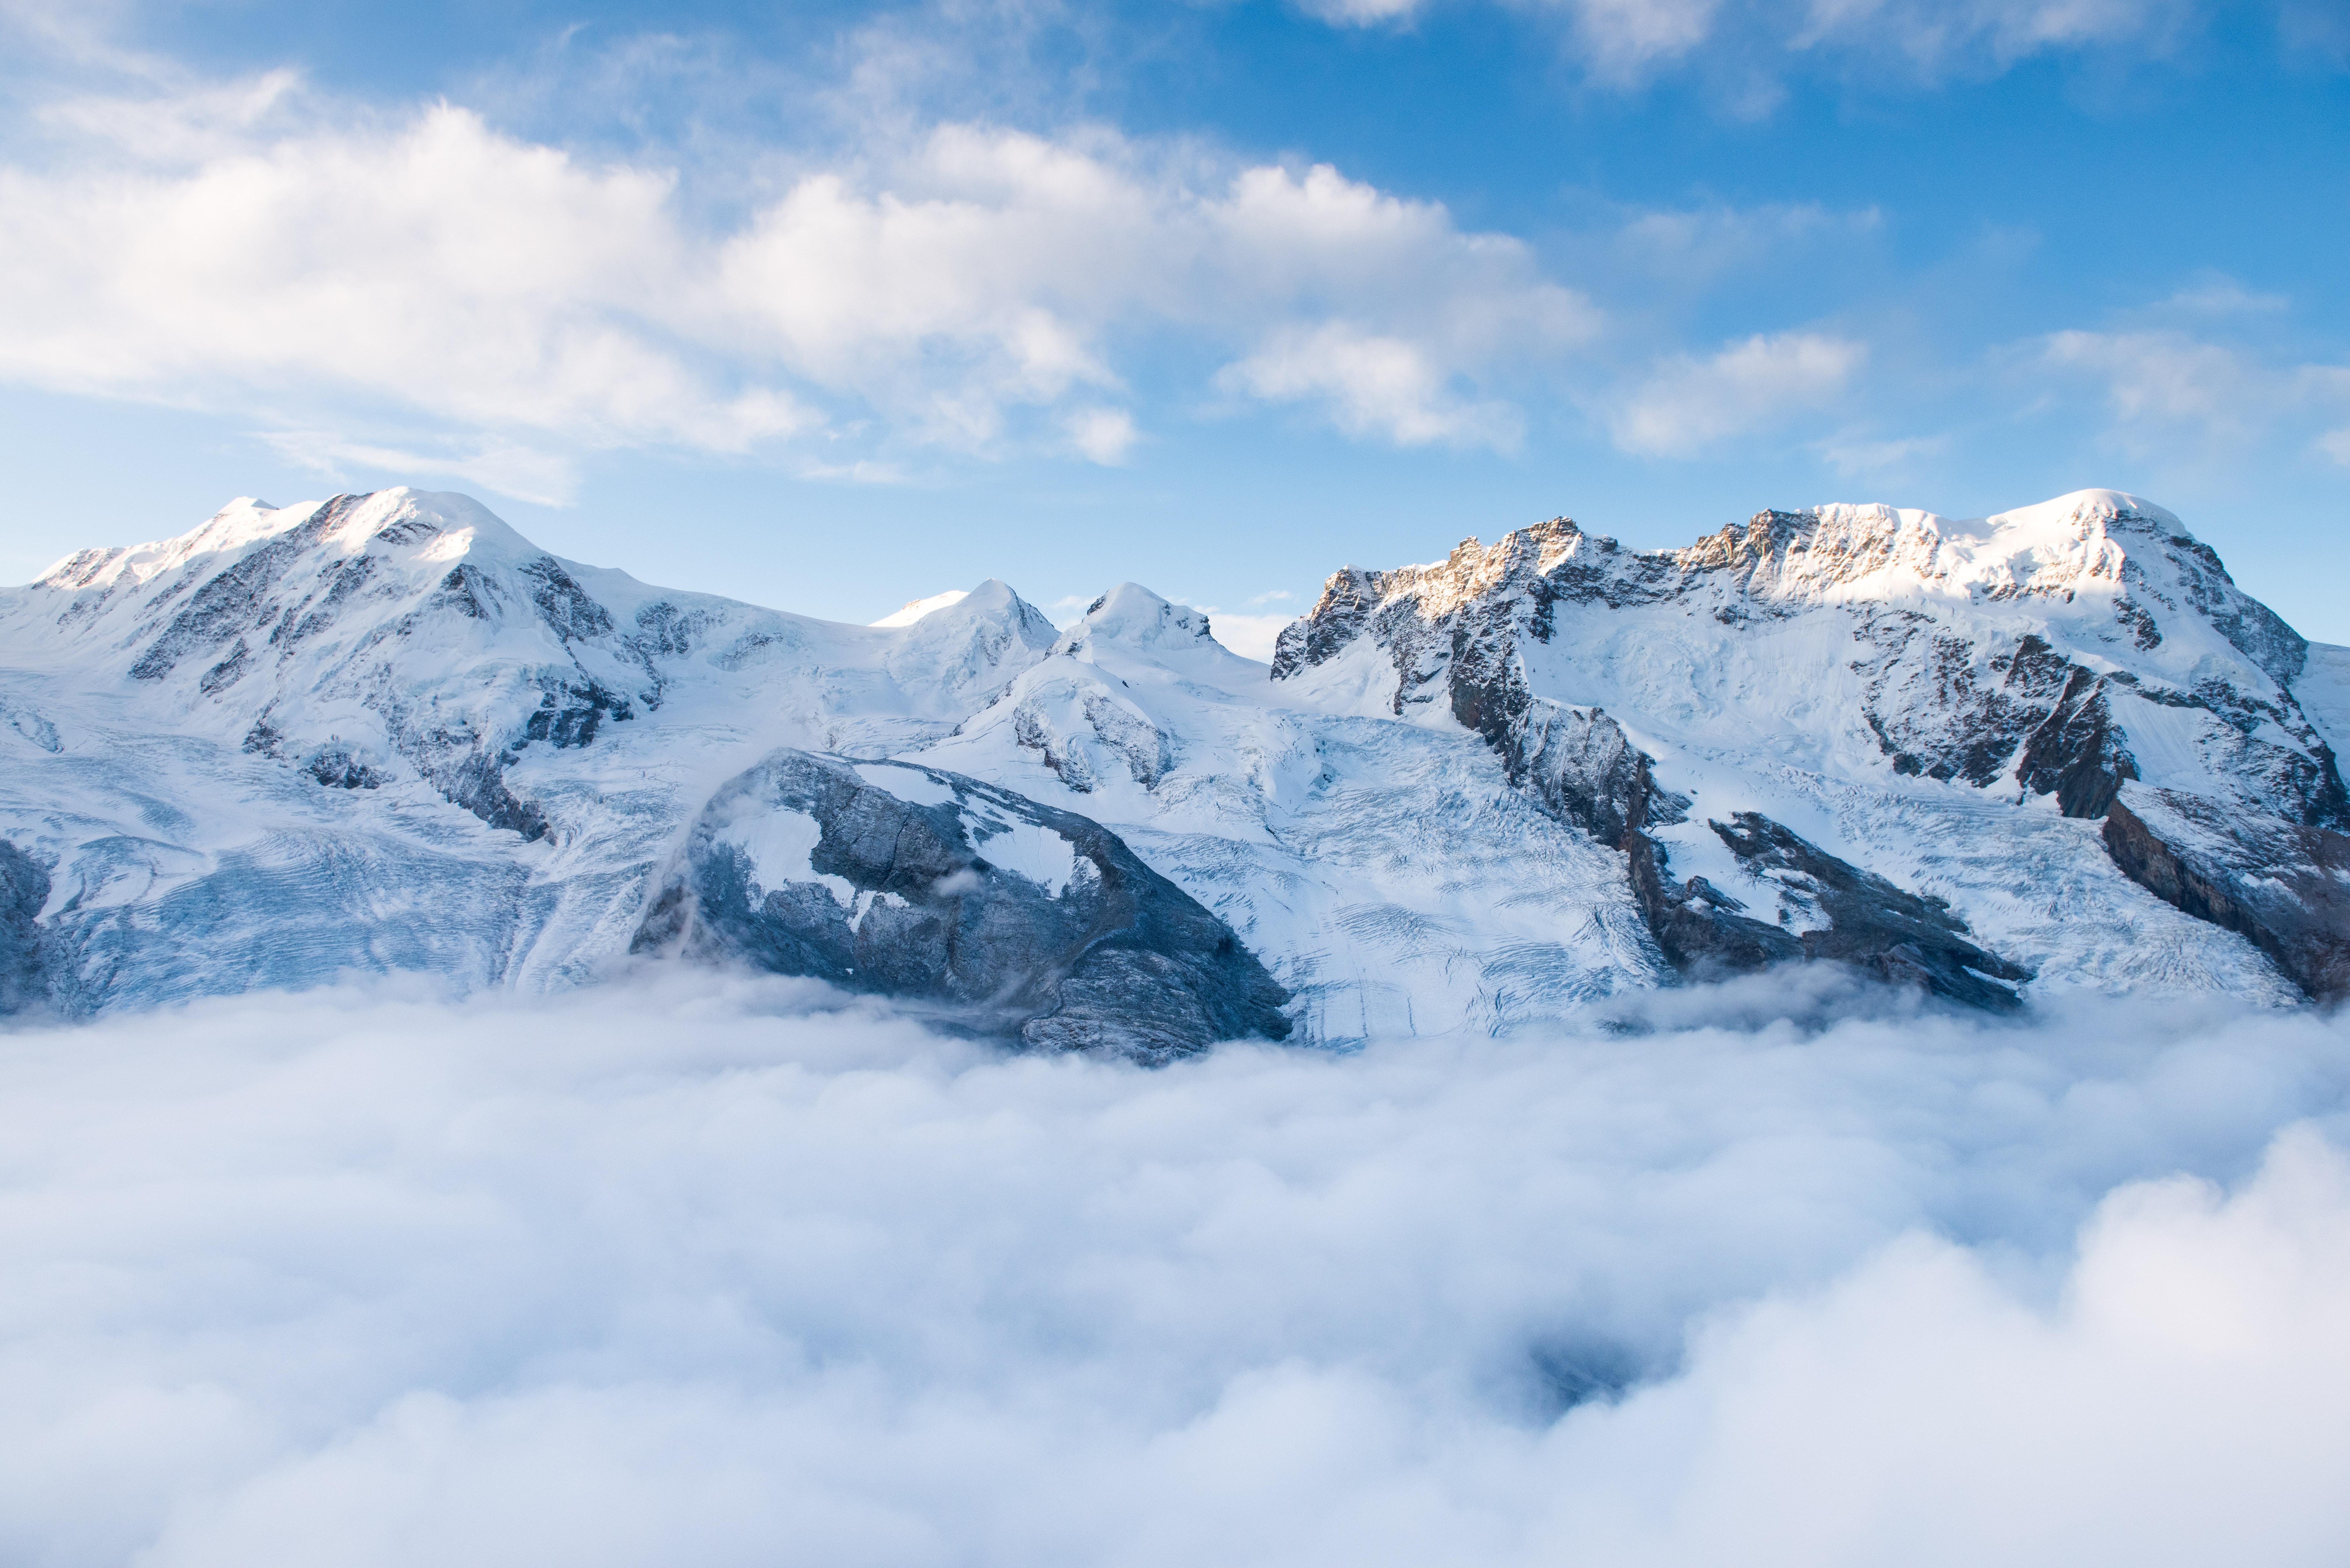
[
  {"x": 916, "y": 609},
  {"x": 1132, "y": 613}
]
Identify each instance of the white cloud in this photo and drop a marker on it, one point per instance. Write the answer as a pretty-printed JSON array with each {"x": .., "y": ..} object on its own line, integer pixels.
[
  {"x": 1939, "y": 33},
  {"x": 443, "y": 267},
  {"x": 1624, "y": 38},
  {"x": 948, "y": 286},
  {"x": 1687, "y": 404},
  {"x": 1362, "y": 13},
  {"x": 523, "y": 473},
  {"x": 2167, "y": 392},
  {"x": 1619, "y": 38},
  {"x": 727, "y": 1273},
  {"x": 185, "y": 121},
  {"x": 1924, "y": 1411},
  {"x": 1250, "y": 636},
  {"x": 1371, "y": 385},
  {"x": 1699, "y": 247},
  {"x": 2216, "y": 294},
  {"x": 1627, "y": 41},
  {"x": 1852, "y": 455},
  {"x": 1104, "y": 435}
]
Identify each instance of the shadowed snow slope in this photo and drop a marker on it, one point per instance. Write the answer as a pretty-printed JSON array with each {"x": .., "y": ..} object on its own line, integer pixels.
[{"x": 386, "y": 732}]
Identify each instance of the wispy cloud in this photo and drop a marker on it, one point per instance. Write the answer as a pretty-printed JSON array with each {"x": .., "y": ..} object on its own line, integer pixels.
[
  {"x": 1855, "y": 456},
  {"x": 1628, "y": 42},
  {"x": 1760, "y": 382},
  {"x": 1941, "y": 36},
  {"x": 523, "y": 473},
  {"x": 2172, "y": 393}
]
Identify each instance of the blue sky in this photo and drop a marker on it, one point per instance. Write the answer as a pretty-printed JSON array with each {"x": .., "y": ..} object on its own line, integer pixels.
[{"x": 831, "y": 306}]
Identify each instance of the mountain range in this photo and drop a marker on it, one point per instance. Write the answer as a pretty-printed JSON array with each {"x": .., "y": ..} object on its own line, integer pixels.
[{"x": 2056, "y": 749}]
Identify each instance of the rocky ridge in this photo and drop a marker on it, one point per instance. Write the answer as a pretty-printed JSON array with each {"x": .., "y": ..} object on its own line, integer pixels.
[
  {"x": 2058, "y": 652},
  {"x": 2053, "y": 749},
  {"x": 915, "y": 883}
]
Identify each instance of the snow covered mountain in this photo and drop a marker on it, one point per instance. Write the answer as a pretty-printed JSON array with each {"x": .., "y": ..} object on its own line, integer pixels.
[{"x": 2055, "y": 748}]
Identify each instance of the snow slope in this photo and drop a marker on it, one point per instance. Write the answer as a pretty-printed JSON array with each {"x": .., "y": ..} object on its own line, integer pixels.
[
  {"x": 1388, "y": 876},
  {"x": 1951, "y": 705},
  {"x": 386, "y": 732}
]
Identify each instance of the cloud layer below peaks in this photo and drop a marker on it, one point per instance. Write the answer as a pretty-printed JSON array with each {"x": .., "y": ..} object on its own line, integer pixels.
[{"x": 742, "y": 1273}]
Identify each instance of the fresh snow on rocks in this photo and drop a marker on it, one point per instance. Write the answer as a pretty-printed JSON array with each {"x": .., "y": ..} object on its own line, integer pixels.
[
  {"x": 933, "y": 887},
  {"x": 1911, "y": 696},
  {"x": 2057, "y": 748}
]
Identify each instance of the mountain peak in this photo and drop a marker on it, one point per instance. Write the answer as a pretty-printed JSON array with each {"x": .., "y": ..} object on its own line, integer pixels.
[
  {"x": 1133, "y": 615},
  {"x": 456, "y": 523},
  {"x": 1862, "y": 726}
]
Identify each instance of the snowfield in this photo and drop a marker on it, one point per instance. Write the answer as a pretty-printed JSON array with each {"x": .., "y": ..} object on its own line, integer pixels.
[{"x": 386, "y": 734}]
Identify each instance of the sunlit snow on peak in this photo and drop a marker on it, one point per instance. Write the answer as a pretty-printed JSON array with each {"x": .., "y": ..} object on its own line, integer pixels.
[{"x": 916, "y": 609}]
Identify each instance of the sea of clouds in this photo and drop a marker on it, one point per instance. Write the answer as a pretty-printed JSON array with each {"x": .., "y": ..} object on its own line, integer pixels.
[{"x": 717, "y": 1272}]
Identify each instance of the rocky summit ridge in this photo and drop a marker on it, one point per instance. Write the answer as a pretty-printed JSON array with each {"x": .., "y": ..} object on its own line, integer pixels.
[
  {"x": 2053, "y": 749},
  {"x": 2089, "y": 652}
]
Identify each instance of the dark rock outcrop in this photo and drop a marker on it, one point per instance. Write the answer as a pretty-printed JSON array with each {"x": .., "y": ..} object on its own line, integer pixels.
[
  {"x": 236, "y": 600},
  {"x": 1873, "y": 925},
  {"x": 2284, "y": 884},
  {"x": 1991, "y": 705},
  {"x": 23, "y": 888},
  {"x": 800, "y": 865},
  {"x": 1456, "y": 634}
]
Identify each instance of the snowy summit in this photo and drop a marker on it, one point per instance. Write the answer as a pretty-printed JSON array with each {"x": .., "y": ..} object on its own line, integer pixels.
[{"x": 2052, "y": 749}]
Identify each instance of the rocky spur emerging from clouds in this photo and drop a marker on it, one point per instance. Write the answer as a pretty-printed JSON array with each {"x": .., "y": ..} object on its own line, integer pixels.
[
  {"x": 387, "y": 733},
  {"x": 723, "y": 1272}
]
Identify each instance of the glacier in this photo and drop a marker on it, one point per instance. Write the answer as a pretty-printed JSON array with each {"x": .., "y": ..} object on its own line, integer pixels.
[{"x": 2053, "y": 750}]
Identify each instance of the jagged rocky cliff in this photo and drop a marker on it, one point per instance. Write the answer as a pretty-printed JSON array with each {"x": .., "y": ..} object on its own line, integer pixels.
[
  {"x": 2084, "y": 653},
  {"x": 2053, "y": 749},
  {"x": 919, "y": 884}
]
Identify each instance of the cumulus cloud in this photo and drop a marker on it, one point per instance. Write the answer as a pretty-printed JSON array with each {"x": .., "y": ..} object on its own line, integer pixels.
[
  {"x": 1687, "y": 404},
  {"x": 721, "y": 1271},
  {"x": 206, "y": 251},
  {"x": 442, "y": 267}
]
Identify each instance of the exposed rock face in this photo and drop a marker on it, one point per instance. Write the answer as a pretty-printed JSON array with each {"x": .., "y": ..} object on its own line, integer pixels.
[
  {"x": 915, "y": 883},
  {"x": 341, "y": 639},
  {"x": 1454, "y": 634},
  {"x": 2284, "y": 884},
  {"x": 23, "y": 888},
  {"x": 1873, "y": 925},
  {"x": 387, "y": 733},
  {"x": 2042, "y": 654},
  {"x": 1584, "y": 770}
]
